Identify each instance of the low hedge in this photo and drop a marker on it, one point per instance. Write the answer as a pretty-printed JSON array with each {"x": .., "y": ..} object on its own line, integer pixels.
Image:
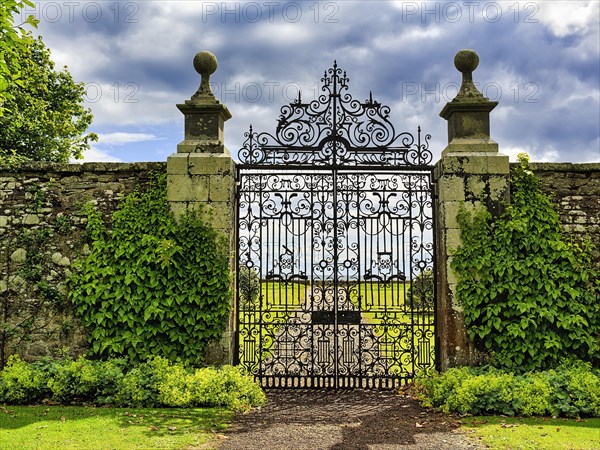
[
  {"x": 154, "y": 383},
  {"x": 570, "y": 390}
]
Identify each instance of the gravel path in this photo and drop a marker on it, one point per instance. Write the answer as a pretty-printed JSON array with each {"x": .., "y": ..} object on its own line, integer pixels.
[{"x": 344, "y": 420}]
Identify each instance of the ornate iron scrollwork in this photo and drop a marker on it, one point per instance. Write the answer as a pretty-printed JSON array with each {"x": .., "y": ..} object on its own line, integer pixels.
[
  {"x": 286, "y": 266},
  {"x": 386, "y": 269},
  {"x": 333, "y": 130}
]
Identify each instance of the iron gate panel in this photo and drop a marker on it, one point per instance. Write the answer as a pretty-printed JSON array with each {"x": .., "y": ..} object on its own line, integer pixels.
[{"x": 335, "y": 247}]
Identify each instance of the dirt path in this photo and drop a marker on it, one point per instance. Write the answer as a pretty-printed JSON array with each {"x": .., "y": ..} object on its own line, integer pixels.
[{"x": 346, "y": 420}]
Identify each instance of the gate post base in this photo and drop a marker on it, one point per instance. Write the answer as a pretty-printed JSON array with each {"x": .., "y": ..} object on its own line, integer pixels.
[{"x": 469, "y": 179}]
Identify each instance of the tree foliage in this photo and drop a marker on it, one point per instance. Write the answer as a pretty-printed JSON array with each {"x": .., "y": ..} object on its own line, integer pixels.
[
  {"x": 44, "y": 118},
  {"x": 13, "y": 38},
  {"x": 531, "y": 296},
  {"x": 152, "y": 286}
]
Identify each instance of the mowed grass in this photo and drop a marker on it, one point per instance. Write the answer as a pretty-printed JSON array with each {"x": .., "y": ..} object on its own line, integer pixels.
[
  {"x": 276, "y": 295},
  {"x": 70, "y": 427},
  {"x": 376, "y": 295},
  {"x": 534, "y": 433}
]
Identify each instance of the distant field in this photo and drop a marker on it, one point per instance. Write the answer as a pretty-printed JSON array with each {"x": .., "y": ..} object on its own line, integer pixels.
[{"x": 276, "y": 295}]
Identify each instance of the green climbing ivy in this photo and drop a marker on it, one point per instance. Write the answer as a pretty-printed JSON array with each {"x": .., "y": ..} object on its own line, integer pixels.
[
  {"x": 530, "y": 295},
  {"x": 151, "y": 286}
]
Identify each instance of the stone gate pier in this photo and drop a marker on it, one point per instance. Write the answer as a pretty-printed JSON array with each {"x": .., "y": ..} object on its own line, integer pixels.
[
  {"x": 471, "y": 172},
  {"x": 201, "y": 175}
]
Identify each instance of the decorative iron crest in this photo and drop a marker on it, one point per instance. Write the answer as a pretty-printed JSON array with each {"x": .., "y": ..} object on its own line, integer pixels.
[{"x": 335, "y": 130}]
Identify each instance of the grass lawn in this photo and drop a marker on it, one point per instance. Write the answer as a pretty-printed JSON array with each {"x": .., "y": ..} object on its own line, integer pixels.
[
  {"x": 72, "y": 427},
  {"x": 276, "y": 294},
  {"x": 534, "y": 433}
]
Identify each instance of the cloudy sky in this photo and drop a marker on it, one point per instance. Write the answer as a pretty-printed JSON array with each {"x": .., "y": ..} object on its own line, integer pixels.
[{"x": 540, "y": 60}]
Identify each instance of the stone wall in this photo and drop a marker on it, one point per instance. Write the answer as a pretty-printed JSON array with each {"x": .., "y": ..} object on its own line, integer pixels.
[
  {"x": 42, "y": 231},
  {"x": 576, "y": 190}
]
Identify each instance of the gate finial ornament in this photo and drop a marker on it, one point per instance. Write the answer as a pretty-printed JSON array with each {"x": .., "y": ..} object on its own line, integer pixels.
[
  {"x": 466, "y": 61},
  {"x": 205, "y": 63},
  {"x": 204, "y": 114},
  {"x": 468, "y": 114}
]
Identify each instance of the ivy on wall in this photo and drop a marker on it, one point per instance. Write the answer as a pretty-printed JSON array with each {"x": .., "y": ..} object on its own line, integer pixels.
[
  {"x": 150, "y": 285},
  {"x": 530, "y": 295}
]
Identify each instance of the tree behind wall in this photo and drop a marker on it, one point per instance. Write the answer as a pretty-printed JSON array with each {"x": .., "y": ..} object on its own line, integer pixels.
[
  {"x": 44, "y": 118},
  {"x": 12, "y": 36}
]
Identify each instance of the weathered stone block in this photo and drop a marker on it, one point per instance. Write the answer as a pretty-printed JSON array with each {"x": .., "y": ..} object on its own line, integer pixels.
[
  {"x": 453, "y": 240},
  {"x": 192, "y": 147},
  {"x": 178, "y": 164},
  {"x": 38, "y": 349},
  {"x": 476, "y": 187},
  {"x": 221, "y": 188},
  {"x": 471, "y": 146},
  {"x": 477, "y": 163},
  {"x": 207, "y": 164},
  {"x": 19, "y": 255},
  {"x": 179, "y": 208},
  {"x": 452, "y": 275},
  {"x": 449, "y": 212},
  {"x": 218, "y": 351},
  {"x": 451, "y": 188},
  {"x": 219, "y": 215},
  {"x": 184, "y": 188},
  {"x": 31, "y": 219},
  {"x": 60, "y": 260},
  {"x": 499, "y": 188}
]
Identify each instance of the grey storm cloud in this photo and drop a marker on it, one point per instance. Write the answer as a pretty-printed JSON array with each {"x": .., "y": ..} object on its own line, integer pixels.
[{"x": 540, "y": 60}]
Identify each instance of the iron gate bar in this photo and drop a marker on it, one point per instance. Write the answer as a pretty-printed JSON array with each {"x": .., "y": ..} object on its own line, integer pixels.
[{"x": 309, "y": 197}]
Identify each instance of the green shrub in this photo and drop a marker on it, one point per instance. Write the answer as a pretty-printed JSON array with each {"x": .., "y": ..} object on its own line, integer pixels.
[
  {"x": 21, "y": 382},
  {"x": 151, "y": 285},
  {"x": 438, "y": 387},
  {"x": 139, "y": 387},
  {"x": 156, "y": 382},
  {"x": 85, "y": 380},
  {"x": 174, "y": 388},
  {"x": 483, "y": 394},
  {"x": 572, "y": 389},
  {"x": 533, "y": 395},
  {"x": 576, "y": 389},
  {"x": 530, "y": 296},
  {"x": 229, "y": 386}
]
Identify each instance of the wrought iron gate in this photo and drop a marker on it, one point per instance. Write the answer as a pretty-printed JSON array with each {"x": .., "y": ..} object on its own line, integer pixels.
[{"x": 335, "y": 279}]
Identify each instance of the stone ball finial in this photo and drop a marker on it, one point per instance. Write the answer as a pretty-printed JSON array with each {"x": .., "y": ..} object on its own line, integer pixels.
[
  {"x": 466, "y": 60},
  {"x": 205, "y": 63}
]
